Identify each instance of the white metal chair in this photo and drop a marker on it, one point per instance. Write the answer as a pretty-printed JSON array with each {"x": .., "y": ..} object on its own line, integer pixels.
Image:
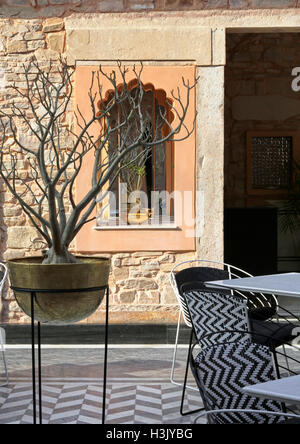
[
  {"x": 2, "y": 331},
  {"x": 202, "y": 270}
]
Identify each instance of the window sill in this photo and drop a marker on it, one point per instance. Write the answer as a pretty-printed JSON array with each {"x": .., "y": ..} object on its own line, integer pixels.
[{"x": 138, "y": 227}]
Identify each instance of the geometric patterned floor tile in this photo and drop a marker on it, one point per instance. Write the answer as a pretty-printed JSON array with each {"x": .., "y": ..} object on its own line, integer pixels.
[{"x": 80, "y": 402}]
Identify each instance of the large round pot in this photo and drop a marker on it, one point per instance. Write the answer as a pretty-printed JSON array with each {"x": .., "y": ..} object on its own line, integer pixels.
[{"x": 61, "y": 307}]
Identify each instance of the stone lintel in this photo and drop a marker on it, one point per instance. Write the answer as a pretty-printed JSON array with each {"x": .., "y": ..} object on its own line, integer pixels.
[{"x": 150, "y": 43}]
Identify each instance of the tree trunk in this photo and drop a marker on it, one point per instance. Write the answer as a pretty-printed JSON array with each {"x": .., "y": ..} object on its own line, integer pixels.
[{"x": 61, "y": 257}]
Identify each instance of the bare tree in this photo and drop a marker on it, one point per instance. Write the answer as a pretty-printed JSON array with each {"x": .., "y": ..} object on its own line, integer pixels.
[{"x": 55, "y": 158}]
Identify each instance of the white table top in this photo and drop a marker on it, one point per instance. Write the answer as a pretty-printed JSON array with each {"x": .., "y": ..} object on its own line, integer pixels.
[
  {"x": 285, "y": 389},
  {"x": 285, "y": 284}
]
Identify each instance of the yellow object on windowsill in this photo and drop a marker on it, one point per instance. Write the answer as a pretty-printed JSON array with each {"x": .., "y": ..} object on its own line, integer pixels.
[{"x": 139, "y": 217}]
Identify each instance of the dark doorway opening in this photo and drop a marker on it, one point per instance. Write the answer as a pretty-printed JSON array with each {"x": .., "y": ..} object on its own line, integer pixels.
[{"x": 262, "y": 145}]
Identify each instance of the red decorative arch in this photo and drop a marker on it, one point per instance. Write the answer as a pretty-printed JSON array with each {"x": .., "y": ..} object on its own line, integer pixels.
[{"x": 159, "y": 94}]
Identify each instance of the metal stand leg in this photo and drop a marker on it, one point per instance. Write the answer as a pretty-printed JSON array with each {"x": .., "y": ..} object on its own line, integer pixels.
[
  {"x": 32, "y": 299},
  {"x": 32, "y": 294},
  {"x": 33, "y": 365},
  {"x": 105, "y": 357},
  {"x": 40, "y": 373}
]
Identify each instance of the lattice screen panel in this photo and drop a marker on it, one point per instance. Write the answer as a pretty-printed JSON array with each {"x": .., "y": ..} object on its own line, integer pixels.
[{"x": 271, "y": 162}]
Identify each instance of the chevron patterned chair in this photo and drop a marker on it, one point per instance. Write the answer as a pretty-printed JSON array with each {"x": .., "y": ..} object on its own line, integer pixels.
[
  {"x": 213, "y": 311},
  {"x": 221, "y": 371},
  {"x": 192, "y": 274},
  {"x": 217, "y": 315},
  {"x": 189, "y": 278}
]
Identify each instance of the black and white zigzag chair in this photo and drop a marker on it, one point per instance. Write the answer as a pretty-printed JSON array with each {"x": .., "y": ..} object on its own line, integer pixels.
[
  {"x": 212, "y": 312},
  {"x": 221, "y": 371},
  {"x": 189, "y": 275},
  {"x": 217, "y": 316},
  {"x": 188, "y": 278}
]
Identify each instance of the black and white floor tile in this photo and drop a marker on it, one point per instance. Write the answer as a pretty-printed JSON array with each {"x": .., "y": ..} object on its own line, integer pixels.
[
  {"x": 80, "y": 402},
  {"x": 72, "y": 386}
]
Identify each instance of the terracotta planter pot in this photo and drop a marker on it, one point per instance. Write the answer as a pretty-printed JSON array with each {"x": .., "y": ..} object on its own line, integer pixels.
[{"x": 61, "y": 307}]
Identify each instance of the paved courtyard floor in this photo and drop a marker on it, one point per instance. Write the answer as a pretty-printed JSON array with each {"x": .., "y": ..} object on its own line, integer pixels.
[{"x": 138, "y": 388}]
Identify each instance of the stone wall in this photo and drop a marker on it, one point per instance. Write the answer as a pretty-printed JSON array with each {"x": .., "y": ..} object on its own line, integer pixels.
[
  {"x": 49, "y": 8},
  {"x": 258, "y": 73},
  {"x": 139, "y": 282}
]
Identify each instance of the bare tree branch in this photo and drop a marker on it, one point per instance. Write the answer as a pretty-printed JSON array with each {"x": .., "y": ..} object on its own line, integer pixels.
[{"x": 55, "y": 152}]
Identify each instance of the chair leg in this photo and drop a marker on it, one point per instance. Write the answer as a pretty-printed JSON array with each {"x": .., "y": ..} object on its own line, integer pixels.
[
  {"x": 4, "y": 362},
  {"x": 175, "y": 351},
  {"x": 189, "y": 412},
  {"x": 286, "y": 360},
  {"x": 276, "y": 365},
  {"x": 180, "y": 384}
]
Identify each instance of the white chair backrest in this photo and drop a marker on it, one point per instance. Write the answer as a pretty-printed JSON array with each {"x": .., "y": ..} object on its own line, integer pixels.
[
  {"x": 2, "y": 282},
  {"x": 3, "y": 279}
]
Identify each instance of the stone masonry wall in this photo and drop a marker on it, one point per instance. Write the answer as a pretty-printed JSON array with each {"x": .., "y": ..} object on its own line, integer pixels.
[
  {"x": 139, "y": 282},
  {"x": 49, "y": 8}
]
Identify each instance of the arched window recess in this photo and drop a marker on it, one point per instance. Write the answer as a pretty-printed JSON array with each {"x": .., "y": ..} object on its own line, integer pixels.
[{"x": 134, "y": 122}]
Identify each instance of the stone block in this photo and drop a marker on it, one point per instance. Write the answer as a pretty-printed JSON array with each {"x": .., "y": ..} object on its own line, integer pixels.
[
  {"x": 15, "y": 221},
  {"x": 166, "y": 268},
  {"x": 56, "y": 41},
  {"x": 238, "y": 4},
  {"x": 34, "y": 36},
  {"x": 21, "y": 237},
  {"x": 2, "y": 44},
  {"x": 168, "y": 296},
  {"x": 10, "y": 254},
  {"x": 43, "y": 55},
  {"x": 16, "y": 46},
  {"x": 218, "y": 46},
  {"x": 135, "y": 273},
  {"x": 150, "y": 266},
  {"x": 131, "y": 261},
  {"x": 140, "y": 284},
  {"x": 150, "y": 297},
  {"x": 32, "y": 45},
  {"x": 166, "y": 44},
  {"x": 215, "y": 4},
  {"x": 53, "y": 24},
  {"x": 120, "y": 274},
  {"x": 111, "y": 6},
  {"x": 18, "y": 2},
  {"x": 12, "y": 211},
  {"x": 140, "y": 5},
  {"x": 127, "y": 297},
  {"x": 258, "y": 4}
]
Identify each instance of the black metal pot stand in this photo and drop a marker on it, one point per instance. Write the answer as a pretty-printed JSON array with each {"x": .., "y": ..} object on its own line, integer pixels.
[{"x": 33, "y": 293}]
